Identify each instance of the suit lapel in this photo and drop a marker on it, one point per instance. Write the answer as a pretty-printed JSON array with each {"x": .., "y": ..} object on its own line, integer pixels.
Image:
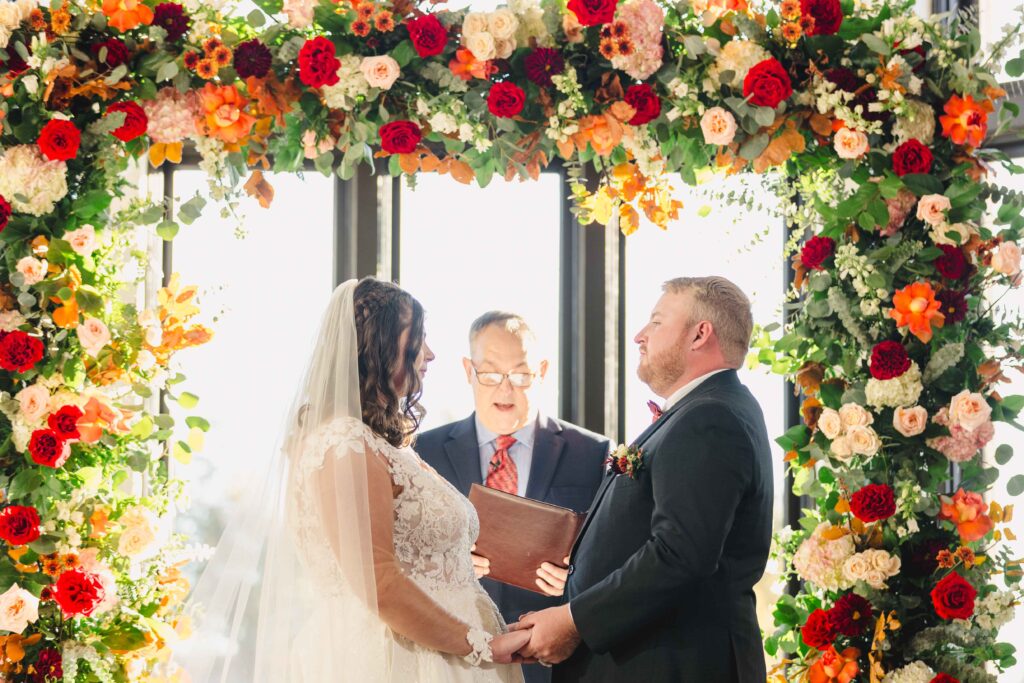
[
  {"x": 548, "y": 447},
  {"x": 464, "y": 454}
]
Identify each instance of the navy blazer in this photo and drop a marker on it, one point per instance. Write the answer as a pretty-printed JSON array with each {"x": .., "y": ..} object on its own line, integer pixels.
[{"x": 566, "y": 470}]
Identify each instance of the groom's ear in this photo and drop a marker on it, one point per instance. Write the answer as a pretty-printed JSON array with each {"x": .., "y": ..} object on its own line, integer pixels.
[{"x": 702, "y": 335}]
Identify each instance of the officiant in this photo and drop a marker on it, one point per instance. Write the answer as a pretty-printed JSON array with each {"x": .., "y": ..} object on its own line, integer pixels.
[{"x": 508, "y": 445}]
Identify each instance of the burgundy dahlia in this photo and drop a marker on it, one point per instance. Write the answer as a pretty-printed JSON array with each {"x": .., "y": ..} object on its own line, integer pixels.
[
  {"x": 5, "y": 213},
  {"x": 171, "y": 17},
  {"x": 954, "y": 305},
  {"x": 49, "y": 666},
  {"x": 252, "y": 59},
  {"x": 542, "y": 64},
  {"x": 952, "y": 265},
  {"x": 851, "y": 615},
  {"x": 889, "y": 360},
  {"x": 113, "y": 50}
]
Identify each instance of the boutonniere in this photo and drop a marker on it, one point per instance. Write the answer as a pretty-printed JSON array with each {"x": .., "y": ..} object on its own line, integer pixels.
[{"x": 628, "y": 460}]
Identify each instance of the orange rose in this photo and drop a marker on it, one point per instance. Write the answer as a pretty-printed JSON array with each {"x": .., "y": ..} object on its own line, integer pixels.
[
  {"x": 966, "y": 121},
  {"x": 834, "y": 666},
  {"x": 98, "y": 415},
  {"x": 915, "y": 307},
  {"x": 968, "y": 512},
  {"x": 127, "y": 14},
  {"x": 603, "y": 133},
  {"x": 222, "y": 114}
]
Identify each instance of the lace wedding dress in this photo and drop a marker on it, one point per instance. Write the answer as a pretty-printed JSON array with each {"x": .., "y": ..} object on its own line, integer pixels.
[{"x": 423, "y": 570}]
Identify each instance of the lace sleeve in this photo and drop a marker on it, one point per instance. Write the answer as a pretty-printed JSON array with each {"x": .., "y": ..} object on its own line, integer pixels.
[{"x": 401, "y": 604}]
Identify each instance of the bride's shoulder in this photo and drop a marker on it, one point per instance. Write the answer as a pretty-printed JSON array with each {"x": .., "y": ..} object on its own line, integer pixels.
[{"x": 351, "y": 433}]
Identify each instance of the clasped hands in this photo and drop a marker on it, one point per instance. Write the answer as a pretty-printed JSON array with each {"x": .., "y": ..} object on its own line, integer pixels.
[{"x": 548, "y": 636}]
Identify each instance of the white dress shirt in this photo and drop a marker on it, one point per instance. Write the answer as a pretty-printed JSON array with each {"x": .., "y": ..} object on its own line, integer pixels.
[{"x": 689, "y": 387}]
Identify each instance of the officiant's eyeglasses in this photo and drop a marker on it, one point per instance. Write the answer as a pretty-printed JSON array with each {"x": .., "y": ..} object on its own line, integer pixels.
[{"x": 493, "y": 379}]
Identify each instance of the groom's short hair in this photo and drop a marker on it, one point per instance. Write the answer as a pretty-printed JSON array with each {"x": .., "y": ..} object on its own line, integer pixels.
[
  {"x": 725, "y": 306},
  {"x": 513, "y": 323}
]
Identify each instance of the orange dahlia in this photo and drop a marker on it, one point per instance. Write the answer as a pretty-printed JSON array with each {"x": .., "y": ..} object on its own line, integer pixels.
[
  {"x": 222, "y": 114},
  {"x": 966, "y": 120},
  {"x": 835, "y": 667},
  {"x": 916, "y": 306},
  {"x": 127, "y": 14}
]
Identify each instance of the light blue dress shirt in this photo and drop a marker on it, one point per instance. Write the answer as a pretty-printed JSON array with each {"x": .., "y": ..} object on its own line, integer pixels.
[{"x": 521, "y": 451}]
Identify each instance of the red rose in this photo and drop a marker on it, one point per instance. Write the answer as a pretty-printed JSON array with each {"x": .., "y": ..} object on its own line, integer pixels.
[
  {"x": 78, "y": 593},
  {"x": 827, "y": 14},
  {"x": 646, "y": 103},
  {"x": 593, "y": 12},
  {"x": 911, "y": 157},
  {"x": 816, "y": 251},
  {"x": 952, "y": 265},
  {"x": 48, "y": 449},
  {"x": 767, "y": 84},
  {"x": 64, "y": 422},
  {"x": 428, "y": 36},
  {"x": 19, "y": 524},
  {"x": 116, "y": 52},
  {"x": 819, "y": 631},
  {"x": 19, "y": 351},
  {"x": 889, "y": 359},
  {"x": 5, "y": 212},
  {"x": 944, "y": 678},
  {"x": 59, "y": 140},
  {"x": 317, "y": 64},
  {"x": 953, "y": 597},
  {"x": 505, "y": 99},
  {"x": 135, "y": 121},
  {"x": 400, "y": 137},
  {"x": 873, "y": 502},
  {"x": 851, "y": 615}
]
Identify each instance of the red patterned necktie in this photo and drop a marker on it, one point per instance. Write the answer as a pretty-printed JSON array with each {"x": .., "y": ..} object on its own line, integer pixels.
[
  {"x": 501, "y": 473},
  {"x": 655, "y": 411}
]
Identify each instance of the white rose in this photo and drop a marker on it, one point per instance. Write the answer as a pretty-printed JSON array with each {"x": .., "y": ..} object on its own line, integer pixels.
[
  {"x": 856, "y": 567},
  {"x": 381, "y": 71},
  {"x": 850, "y": 144},
  {"x": 969, "y": 410},
  {"x": 145, "y": 360},
  {"x": 910, "y": 421},
  {"x": 875, "y": 579},
  {"x": 961, "y": 231},
  {"x": 932, "y": 209},
  {"x": 32, "y": 269},
  {"x": 474, "y": 23},
  {"x": 18, "y": 609},
  {"x": 139, "y": 532},
  {"x": 1006, "y": 259},
  {"x": 35, "y": 402},
  {"x": 718, "y": 126},
  {"x": 502, "y": 24},
  {"x": 854, "y": 415},
  {"x": 841, "y": 448},
  {"x": 481, "y": 45},
  {"x": 83, "y": 240},
  {"x": 93, "y": 335},
  {"x": 863, "y": 440},
  {"x": 830, "y": 424}
]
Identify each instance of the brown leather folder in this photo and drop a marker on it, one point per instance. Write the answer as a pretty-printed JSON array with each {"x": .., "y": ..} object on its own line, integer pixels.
[{"x": 518, "y": 534}]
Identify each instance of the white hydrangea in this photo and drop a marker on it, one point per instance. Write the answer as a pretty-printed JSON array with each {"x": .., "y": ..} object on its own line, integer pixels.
[
  {"x": 739, "y": 57},
  {"x": 917, "y": 123},
  {"x": 995, "y": 610},
  {"x": 918, "y": 672},
  {"x": 894, "y": 393},
  {"x": 820, "y": 560},
  {"x": 31, "y": 183},
  {"x": 869, "y": 307},
  {"x": 351, "y": 84}
]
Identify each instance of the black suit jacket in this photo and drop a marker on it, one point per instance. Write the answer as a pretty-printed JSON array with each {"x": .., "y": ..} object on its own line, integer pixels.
[
  {"x": 662, "y": 579},
  {"x": 566, "y": 470}
]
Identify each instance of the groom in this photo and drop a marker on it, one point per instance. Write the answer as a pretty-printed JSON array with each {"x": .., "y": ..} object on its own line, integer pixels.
[{"x": 661, "y": 582}]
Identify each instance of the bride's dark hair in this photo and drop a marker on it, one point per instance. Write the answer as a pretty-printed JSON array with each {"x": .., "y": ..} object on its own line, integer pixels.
[{"x": 383, "y": 311}]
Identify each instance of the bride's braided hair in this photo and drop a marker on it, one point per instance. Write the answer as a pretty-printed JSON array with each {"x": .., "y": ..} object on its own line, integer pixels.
[{"x": 383, "y": 311}]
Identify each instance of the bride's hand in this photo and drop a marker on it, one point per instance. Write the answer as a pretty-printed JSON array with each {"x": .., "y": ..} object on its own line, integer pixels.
[{"x": 505, "y": 645}]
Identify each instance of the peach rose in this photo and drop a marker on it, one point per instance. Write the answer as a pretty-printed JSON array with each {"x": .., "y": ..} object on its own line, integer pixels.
[
  {"x": 932, "y": 209},
  {"x": 850, "y": 144},
  {"x": 841, "y": 448},
  {"x": 481, "y": 45},
  {"x": 969, "y": 410},
  {"x": 502, "y": 24},
  {"x": 11, "y": 320},
  {"x": 718, "y": 126},
  {"x": 863, "y": 440},
  {"x": 504, "y": 48},
  {"x": 961, "y": 231},
  {"x": 1006, "y": 259},
  {"x": 83, "y": 240},
  {"x": 300, "y": 12},
  {"x": 572, "y": 27},
  {"x": 856, "y": 567},
  {"x": 830, "y": 424},
  {"x": 93, "y": 335},
  {"x": 854, "y": 415},
  {"x": 18, "y": 609},
  {"x": 35, "y": 402},
  {"x": 32, "y": 269},
  {"x": 474, "y": 23},
  {"x": 910, "y": 421},
  {"x": 381, "y": 71}
]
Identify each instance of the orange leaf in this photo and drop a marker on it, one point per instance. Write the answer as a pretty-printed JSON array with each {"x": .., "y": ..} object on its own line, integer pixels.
[
  {"x": 461, "y": 171},
  {"x": 780, "y": 149},
  {"x": 410, "y": 162},
  {"x": 821, "y": 124},
  {"x": 429, "y": 163},
  {"x": 67, "y": 315},
  {"x": 629, "y": 219},
  {"x": 258, "y": 187},
  {"x": 843, "y": 506}
]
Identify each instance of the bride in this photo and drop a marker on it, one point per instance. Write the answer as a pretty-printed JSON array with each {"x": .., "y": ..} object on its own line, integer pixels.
[{"x": 361, "y": 550}]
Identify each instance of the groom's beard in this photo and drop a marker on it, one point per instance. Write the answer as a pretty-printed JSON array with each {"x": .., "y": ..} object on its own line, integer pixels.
[{"x": 662, "y": 370}]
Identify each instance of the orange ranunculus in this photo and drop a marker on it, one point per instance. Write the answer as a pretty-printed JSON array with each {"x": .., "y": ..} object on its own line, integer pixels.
[
  {"x": 467, "y": 67},
  {"x": 835, "y": 667},
  {"x": 127, "y": 14},
  {"x": 968, "y": 512},
  {"x": 966, "y": 121},
  {"x": 222, "y": 114},
  {"x": 604, "y": 133},
  {"x": 97, "y": 416},
  {"x": 915, "y": 306}
]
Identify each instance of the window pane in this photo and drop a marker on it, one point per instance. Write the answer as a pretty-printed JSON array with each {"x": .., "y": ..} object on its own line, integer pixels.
[
  {"x": 264, "y": 295},
  {"x": 995, "y": 16},
  {"x": 744, "y": 245},
  {"x": 465, "y": 251}
]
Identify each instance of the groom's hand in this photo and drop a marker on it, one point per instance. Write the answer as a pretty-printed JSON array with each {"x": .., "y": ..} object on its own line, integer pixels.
[
  {"x": 554, "y": 637},
  {"x": 481, "y": 565},
  {"x": 551, "y": 578}
]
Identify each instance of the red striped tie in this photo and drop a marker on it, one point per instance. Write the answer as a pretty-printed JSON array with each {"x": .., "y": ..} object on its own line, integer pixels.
[{"x": 501, "y": 473}]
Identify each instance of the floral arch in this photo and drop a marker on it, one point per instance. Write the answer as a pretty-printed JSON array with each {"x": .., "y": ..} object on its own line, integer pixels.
[{"x": 877, "y": 119}]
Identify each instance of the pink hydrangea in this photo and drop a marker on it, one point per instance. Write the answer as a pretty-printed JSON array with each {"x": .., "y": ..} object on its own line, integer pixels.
[
  {"x": 962, "y": 444},
  {"x": 820, "y": 558},
  {"x": 171, "y": 116},
  {"x": 645, "y": 20}
]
